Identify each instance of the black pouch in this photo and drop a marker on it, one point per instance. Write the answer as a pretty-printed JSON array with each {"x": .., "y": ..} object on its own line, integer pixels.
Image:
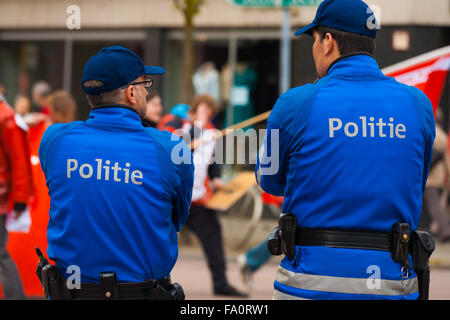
[
  {"x": 400, "y": 243},
  {"x": 422, "y": 246},
  {"x": 108, "y": 281},
  {"x": 288, "y": 228}
]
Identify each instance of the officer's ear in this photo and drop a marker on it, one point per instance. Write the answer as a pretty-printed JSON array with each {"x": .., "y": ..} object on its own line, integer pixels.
[
  {"x": 131, "y": 95},
  {"x": 329, "y": 44}
]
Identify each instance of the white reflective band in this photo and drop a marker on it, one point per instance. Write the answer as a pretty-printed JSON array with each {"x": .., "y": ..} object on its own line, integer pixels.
[
  {"x": 278, "y": 295},
  {"x": 346, "y": 285}
]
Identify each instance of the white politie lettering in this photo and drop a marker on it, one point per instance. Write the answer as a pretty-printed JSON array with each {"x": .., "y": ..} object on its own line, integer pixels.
[
  {"x": 368, "y": 128},
  {"x": 102, "y": 171}
]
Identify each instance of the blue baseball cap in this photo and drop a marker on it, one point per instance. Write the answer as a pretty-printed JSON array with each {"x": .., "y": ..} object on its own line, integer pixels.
[
  {"x": 353, "y": 16},
  {"x": 115, "y": 66}
]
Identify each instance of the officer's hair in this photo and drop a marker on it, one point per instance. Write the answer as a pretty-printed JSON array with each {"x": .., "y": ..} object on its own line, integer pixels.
[
  {"x": 348, "y": 42},
  {"x": 114, "y": 96}
]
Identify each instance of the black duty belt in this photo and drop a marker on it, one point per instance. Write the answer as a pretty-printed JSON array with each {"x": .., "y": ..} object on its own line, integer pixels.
[
  {"x": 368, "y": 240},
  {"x": 150, "y": 289},
  {"x": 109, "y": 288}
]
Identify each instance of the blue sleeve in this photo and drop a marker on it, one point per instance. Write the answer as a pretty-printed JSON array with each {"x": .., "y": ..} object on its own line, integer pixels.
[
  {"x": 429, "y": 128},
  {"x": 424, "y": 109},
  {"x": 285, "y": 130},
  {"x": 183, "y": 190},
  {"x": 181, "y": 171}
]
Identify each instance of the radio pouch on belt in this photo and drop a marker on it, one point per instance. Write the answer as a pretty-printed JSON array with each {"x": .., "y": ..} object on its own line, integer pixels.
[
  {"x": 400, "y": 243},
  {"x": 422, "y": 246},
  {"x": 288, "y": 226}
]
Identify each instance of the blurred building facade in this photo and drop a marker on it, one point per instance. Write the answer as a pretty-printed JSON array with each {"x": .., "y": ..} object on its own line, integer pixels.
[{"x": 36, "y": 42}]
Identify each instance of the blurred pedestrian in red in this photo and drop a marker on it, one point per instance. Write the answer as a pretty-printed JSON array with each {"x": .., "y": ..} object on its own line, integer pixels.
[
  {"x": 22, "y": 105},
  {"x": 62, "y": 108},
  {"x": 15, "y": 190}
]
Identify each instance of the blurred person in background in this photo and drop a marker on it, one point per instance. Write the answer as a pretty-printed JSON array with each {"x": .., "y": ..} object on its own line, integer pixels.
[
  {"x": 62, "y": 107},
  {"x": 435, "y": 184},
  {"x": 258, "y": 255},
  {"x": 23, "y": 108},
  {"x": 15, "y": 190},
  {"x": 39, "y": 93},
  {"x": 154, "y": 110},
  {"x": 203, "y": 221},
  {"x": 22, "y": 105},
  {"x": 176, "y": 119}
]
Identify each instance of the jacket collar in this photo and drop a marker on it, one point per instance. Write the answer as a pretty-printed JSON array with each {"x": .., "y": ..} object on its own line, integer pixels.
[
  {"x": 359, "y": 63},
  {"x": 116, "y": 115}
]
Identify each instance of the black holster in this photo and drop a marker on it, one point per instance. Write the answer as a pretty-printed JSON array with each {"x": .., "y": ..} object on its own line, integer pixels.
[
  {"x": 422, "y": 246},
  {"x": 288, "y": 227},
  {"x": 53, "y": 283},
  {"x": 282, "y": 238}
]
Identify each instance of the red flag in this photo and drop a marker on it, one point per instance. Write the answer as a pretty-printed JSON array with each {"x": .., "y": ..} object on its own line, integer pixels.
[{"x": 426, "y": 72}]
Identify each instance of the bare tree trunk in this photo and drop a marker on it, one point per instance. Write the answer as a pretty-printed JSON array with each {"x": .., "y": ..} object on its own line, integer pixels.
[
  {"x": 189, "y": 9},
  {"x": 187, "y": 90}
]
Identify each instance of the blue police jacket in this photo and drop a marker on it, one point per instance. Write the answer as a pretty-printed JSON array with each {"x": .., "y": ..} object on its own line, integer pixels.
[
  {"x": 350, "y": 152},
  {"x": 117, "y": 198}
]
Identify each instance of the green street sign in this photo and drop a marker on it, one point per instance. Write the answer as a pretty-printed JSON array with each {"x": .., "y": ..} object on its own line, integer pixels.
[{"x": 275, "y": 3}]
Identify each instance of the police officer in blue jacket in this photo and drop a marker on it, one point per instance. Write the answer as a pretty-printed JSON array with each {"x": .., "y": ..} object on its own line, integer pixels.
[
  {"x": 119, "y": 192},
  {"x": 350, "y": 154}
]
